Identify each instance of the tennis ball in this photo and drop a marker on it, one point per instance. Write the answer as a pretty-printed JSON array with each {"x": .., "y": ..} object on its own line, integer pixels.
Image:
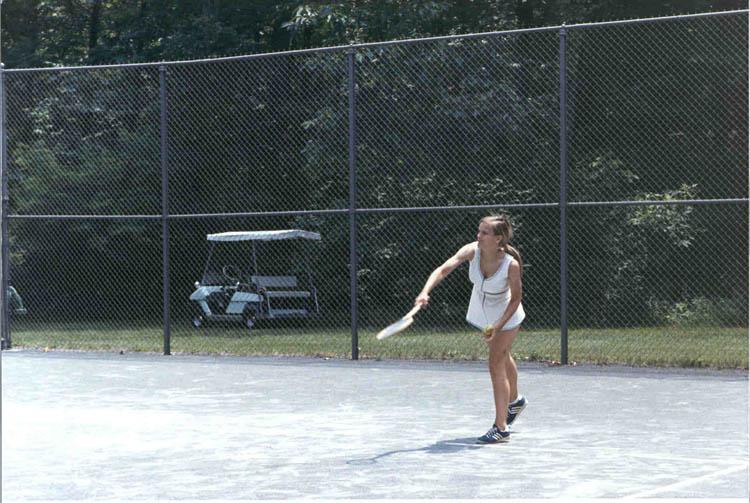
[{"x": 488, "y": 330}]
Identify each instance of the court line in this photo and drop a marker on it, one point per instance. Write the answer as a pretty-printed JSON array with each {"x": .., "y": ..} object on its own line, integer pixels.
[
  {"x": 686, "y": 483},
  {"x": 635, "y": 455}
]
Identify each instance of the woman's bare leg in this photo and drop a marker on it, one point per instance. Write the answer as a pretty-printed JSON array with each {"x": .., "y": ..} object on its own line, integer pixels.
[
  {"x": 501, "y": 388},
  {"x": 512, "y": 372}
]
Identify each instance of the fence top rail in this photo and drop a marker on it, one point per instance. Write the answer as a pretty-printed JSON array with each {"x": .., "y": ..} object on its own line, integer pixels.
[
  {"x": 407, "y": 209},
  {"x": 349, "y": 47}
]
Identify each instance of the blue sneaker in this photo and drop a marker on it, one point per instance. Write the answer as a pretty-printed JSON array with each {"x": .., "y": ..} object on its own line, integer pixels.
[
  {"x": 494, "y": 436},
  {"x": 515, "y": 408}
]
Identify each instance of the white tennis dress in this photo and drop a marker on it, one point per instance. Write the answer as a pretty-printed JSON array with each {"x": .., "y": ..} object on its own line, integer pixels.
[{"x": 491, "y": 296}]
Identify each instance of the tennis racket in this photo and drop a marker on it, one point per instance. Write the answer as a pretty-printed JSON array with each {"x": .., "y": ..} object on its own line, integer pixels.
[{"x": 400, "y": 325}]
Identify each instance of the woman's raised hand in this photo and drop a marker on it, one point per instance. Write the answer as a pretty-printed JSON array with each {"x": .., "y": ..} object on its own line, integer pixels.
[{"x": 422, "y": 300}]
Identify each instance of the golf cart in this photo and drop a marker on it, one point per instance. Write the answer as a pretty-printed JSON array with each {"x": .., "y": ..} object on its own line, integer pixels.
[
  {"x": 15, "y": 308},
  {"x": 234, "y": 288},
  {"x": 14, "y": 302}
]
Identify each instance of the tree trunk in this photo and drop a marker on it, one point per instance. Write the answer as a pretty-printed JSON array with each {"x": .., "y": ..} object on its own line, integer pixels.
[
  {"x": 94, "y": 22},
  {"x": 525, "y": 13}
]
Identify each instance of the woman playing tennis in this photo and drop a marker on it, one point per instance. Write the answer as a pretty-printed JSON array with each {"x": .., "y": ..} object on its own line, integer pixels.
[{"x": 495, "y": 307}]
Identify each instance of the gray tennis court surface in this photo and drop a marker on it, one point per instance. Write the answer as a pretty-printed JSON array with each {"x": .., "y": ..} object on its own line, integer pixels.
[{"x": 107, "y": 426}]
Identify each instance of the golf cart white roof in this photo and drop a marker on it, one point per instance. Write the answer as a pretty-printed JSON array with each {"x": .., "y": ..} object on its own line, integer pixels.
[{"x": 264, "y": 235}]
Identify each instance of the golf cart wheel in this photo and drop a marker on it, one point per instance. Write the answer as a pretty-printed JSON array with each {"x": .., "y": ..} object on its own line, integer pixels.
[
  {"x": 248, "y": 319},
  {"x": 197, "y": 319}
]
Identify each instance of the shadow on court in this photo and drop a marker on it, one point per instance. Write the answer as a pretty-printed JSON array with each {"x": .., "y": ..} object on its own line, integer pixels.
[{"x": 442, "y": 447}]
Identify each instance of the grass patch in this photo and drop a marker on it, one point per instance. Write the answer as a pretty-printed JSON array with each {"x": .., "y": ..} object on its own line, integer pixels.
[{"x": 651, "y": 346}]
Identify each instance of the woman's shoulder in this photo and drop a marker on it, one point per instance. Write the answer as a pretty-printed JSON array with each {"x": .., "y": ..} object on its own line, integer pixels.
[
  {"x": 467, "y": 251},
  {"x": 512, "y": 261}
]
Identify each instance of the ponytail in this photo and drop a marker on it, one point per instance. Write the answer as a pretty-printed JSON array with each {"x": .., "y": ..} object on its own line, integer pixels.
[
  {"x": 515, "y": 254},
  {"x": 502, "y": 227}
]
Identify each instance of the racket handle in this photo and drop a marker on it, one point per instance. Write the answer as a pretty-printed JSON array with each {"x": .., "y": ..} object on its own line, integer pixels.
[{"x": 413, "y": 311}]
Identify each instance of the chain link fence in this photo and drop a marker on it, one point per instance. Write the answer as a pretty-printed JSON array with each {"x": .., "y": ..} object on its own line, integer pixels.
[{"x": 619, "y": 150}]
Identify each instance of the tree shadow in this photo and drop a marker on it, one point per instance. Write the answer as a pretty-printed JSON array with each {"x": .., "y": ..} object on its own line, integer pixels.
[{"x": 440, "y": 447}]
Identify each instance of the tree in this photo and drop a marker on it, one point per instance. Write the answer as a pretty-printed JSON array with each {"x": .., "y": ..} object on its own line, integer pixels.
[{"x": 446, "y": 123}]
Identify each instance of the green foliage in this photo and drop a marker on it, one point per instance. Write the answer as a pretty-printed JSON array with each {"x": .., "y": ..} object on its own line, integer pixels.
[
  {"x": 55, "y": 32},
  {"x": 671, "y": 222},
  {"x": 626, "y": 254},
  {"x": 699, "y": 311},
  {"x": 447, "y": 123},
  {"x": 603, "y": 178}
]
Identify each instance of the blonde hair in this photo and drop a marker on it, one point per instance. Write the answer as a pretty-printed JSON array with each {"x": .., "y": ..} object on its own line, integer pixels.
[{"x": 502, "y": 227}]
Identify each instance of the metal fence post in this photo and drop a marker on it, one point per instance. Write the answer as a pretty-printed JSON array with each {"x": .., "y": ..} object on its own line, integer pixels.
[
  {"x": 353, "y": 247},
  {"x": 164, "y": 156},
  {"x": 563, "y": 198},
  {"x": 5, "y": 267}
]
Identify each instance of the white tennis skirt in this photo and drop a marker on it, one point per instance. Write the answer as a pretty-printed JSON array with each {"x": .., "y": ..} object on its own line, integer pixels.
[{"x": 487, "y": 308}]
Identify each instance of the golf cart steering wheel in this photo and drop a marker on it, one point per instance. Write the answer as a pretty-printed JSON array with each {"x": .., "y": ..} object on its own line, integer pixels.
[{"x": 231, "y": 272}]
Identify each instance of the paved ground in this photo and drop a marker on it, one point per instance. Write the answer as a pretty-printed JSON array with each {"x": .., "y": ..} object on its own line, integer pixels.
[{"x": 107, "y": 426}]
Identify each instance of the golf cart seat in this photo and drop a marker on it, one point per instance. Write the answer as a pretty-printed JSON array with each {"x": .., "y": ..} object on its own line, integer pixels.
[
  {"x": 272, "y": 283},
  {"x": 278, "y": 292}
]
